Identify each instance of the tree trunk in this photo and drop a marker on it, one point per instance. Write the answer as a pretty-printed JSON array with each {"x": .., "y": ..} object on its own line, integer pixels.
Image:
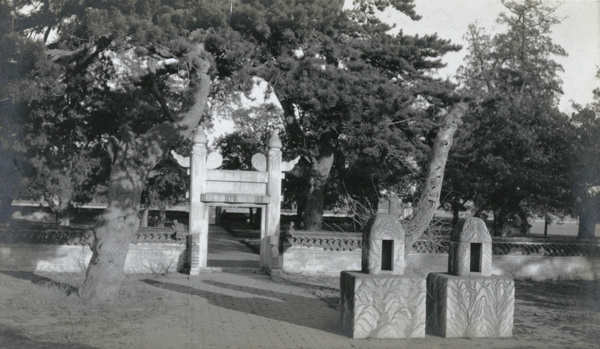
[
  {"x": 312, "y": 214},
  {"x": 300, "y": 206},
  {"x": 162, "y": 214},
  {"x": 144, "y": 217},
  {"x": 500, "y": 219},
  {"x": 430, "y": 197},
  {"x": 456, "y": 207},
  {"x": 115, "y": 227},
  {"x": 510, "y": 208},
  {"x": 8, "y": 189},
  {"x": 588, "y": 217},
  {"x": 5, "y": 209},
  {"x": 525, "y": 227},
  {"x": 62, "y": 214}
]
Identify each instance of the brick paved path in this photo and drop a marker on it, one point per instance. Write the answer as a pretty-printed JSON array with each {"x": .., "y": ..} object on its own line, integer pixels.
[{"x": 227, "y": 254}]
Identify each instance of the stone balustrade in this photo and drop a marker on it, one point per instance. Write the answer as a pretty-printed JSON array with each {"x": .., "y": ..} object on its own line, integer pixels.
[
  {"x": 538, "y": 258},
  {"x": 77, "y": 236},
  {"x": 559, "y": 247},
  {"x": 329, "y": 241}
]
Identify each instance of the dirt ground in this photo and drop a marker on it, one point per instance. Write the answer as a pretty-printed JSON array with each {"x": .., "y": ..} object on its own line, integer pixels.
[{"x": 35, "y": 313}]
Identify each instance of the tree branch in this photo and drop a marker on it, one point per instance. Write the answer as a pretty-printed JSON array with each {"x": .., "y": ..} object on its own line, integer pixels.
[{"x": 430, "y": 197}]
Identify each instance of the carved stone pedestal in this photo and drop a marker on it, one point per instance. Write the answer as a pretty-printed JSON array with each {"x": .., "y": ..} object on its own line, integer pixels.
[
  {"x": 383, "y": 305},
  {"x": 471, "y": 306}
]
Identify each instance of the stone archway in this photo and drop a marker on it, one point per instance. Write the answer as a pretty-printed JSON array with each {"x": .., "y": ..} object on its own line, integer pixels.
[{"x": 213, "y": 187}]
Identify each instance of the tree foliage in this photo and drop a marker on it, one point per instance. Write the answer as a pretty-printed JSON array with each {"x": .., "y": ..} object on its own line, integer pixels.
[
  {"x": 512, "y": 157},
  {"x": 253, "y": 128},
  {"x": 166, "y": 185},
  {"x": 585, "y": 165},
  {"x": 353, "y": 96}
]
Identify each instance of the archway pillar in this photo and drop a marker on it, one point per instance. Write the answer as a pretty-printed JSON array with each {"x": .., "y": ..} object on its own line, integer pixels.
[
  {"x": 199, "y": 214},
  {"x": 273, "y": 209}
]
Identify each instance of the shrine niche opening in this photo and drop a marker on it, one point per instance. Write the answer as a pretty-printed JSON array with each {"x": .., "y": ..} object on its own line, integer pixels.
[{"x": 213, "y": 187}]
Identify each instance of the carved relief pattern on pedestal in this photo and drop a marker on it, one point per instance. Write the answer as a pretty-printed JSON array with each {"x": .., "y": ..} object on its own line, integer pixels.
[
  {"x": 479, "y": 308},
  {"x": 465, "y": 309},
  {"x": 389, "y": 308},
  {"x": 501, "y": 307}
]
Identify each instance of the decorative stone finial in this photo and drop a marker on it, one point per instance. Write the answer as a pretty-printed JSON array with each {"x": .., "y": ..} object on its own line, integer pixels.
[
  {"x": 200, "y": 136},
  {"x": 274, "y": 141}
]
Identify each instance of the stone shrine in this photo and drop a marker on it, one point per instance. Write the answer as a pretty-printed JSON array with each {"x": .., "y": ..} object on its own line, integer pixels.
[
  {"x": 469, "y": 301},
  {"x": 381, "y": 301}
]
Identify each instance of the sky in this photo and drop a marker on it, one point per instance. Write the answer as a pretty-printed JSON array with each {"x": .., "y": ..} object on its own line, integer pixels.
[{"x": 578, "y": 34}]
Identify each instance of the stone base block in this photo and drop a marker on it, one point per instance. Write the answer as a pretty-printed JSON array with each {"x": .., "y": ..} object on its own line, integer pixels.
[
  {"x": 473, "y": 306},
  {"x": 383, "y": 305}
]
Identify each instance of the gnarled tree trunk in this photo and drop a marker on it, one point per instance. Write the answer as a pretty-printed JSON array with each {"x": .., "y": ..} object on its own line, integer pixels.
[
  {"x": 115, "y": 227},
  {"x": 312, "y": 215},
  {"x": 430, "y": 197}
]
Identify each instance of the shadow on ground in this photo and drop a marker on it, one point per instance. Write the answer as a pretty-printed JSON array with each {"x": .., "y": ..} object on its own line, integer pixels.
[
  {"x": 14, "y": 339},
  {"x": 580, "y": 294},
  {"x": 266, "y": 303},
  {"x": 40, "y": 280}
]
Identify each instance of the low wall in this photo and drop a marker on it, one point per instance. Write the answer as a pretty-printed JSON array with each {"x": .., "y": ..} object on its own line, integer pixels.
[
  {"x": 161, "y": 251},
  {"x": 142, "y": 258},
  {"x": 157, "y": 251},
  {"x": 328, "y": 254}
]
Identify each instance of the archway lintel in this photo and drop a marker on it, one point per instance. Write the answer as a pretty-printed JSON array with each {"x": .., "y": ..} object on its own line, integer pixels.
[{"x": 215, "y": 199}]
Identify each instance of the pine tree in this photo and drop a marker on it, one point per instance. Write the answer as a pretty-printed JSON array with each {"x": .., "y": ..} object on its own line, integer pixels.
[{"x": 514, "y": 156}]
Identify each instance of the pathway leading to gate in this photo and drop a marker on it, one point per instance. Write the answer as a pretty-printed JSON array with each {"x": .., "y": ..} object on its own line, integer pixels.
[{"x": 226, "y": 253}]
